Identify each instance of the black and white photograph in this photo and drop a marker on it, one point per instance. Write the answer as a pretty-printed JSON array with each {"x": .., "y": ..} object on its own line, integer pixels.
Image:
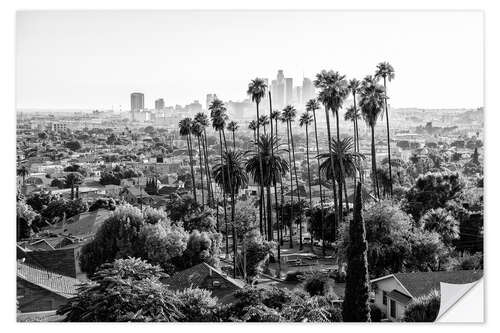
[{"x": 285, "y": 166}]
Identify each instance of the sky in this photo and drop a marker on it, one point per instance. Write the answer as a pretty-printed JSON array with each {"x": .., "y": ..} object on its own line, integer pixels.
[{"x": 95, "y": 59}]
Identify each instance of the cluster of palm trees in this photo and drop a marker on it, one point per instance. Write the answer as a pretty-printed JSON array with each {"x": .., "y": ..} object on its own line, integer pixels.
[{"x": 267, "y": 163}]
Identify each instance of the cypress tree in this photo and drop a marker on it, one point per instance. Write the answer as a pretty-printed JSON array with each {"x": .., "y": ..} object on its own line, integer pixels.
[{"x": 356, "y": 307}]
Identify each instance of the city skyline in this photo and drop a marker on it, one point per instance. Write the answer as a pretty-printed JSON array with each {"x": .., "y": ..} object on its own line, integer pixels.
[{"x": 100, "y": 68}]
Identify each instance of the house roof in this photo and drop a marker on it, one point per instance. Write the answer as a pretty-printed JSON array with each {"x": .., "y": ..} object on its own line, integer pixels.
[
  {"x": 83, "y": 224},
  {"x": 196, "y": 275},
  {"x": 421, "y": 283},
  {"x": 64, "y": 286},
  {"x": 399, "y": 297}
]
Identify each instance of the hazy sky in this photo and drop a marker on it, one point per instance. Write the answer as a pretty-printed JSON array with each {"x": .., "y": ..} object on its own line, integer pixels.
[{"x": 95, "y": 59}]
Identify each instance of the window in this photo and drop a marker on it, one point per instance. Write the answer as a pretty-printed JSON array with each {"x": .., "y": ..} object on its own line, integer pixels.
[
  {"x": 393, "y": 309},
  {"x": 384, "y": 297}
]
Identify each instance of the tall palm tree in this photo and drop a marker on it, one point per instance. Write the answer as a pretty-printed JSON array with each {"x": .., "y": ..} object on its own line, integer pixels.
[
  {"x": 257, "y": 90},
  {"x": 284, "y": 119},
  {"x": 202, "y": 120},
  {"x": 232, "y": 167},
  {"x": 23, "y": 172},
  {"x": 322, "y": 82},
  {"x": 218, "y": 115},
  {"x": 289, "y": 114},
  {"x": 233, "y": 127},
  {"x": 273, "y": 167},
  {"x": 354, "y": 86},
  {"x": 372, "y": 96},
  {"x": 253, "y": 127},
  {"x": 197, "y": 131},
  {"x": 185, "y": 130},
  {"x": 305, "y": 120},
  {"x": 275, "y": 115},
  {"x": 311, "y": 106},
  {"x": 386, "y": 71},
  {"x": 352, "y": 114},
  {"x": 264, "y": 121}
]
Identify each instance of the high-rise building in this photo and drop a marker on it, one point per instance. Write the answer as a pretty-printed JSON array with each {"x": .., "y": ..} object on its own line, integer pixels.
[
  {"x": 278, "y": 90},
  {"x": 137, "y": 102},
  {"x": 210, "y": 98},
  {"x": 159, "y": 104},
  {"x": 288, "y": 90},
  {"x": 307, "y": 90},
  {"x": 297, "y": 95}
]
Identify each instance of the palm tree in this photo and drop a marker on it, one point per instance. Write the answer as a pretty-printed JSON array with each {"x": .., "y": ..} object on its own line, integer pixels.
[
  {"x": 273, "y": 167},
  {"x": 354, "y": 86},
  {"x": 233, "y": 127},
  {"x": 219, "y": 117},
  {"x": 353, "y": 114},
  {"x": 372, "y": 104},
  {"x": 202, "y": 120},
  {"x": 275, "y": 115},
  {"x": 23, "y": 172},
  {"x": 253, "y": 126},
  {"x": 305, "y": 120},
  {"x": 386, "y": 71},
  {"x": 322, "y": 82},
  {"x": 264, "y": 121},
  {"x": 197, "y": 131},
  {"x": 285, "y": 120},
  {"x": 232, "y": 168},
  {"x": 311, "y": 106},
  {"x": 289, "y": 114},
  {"x": 257, "y": 90},
  {"x": 342, "y": 151},
  {"x": 185, "y": 130}
]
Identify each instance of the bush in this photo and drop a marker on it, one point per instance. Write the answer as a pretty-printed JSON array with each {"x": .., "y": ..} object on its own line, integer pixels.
[
  {"x": 196, "y": 305},
  {"x": 375, "y": 313},
  {"x": 467, "y": 262},
  {"x": 424, "y": 308},
  {"x": 316, "y": 284}
]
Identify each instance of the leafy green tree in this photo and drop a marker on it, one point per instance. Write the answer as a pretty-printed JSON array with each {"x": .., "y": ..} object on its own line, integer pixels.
[
  {"x": 123, "y": 291},
  {"x": 356, "y": 301},
  {"x": 60, "y": 208},
  {"x": 441, "y": 221},
  {"x": 202, "y": 247},
  {"x": 424, "y": 308},
  {"x": 25, "y": 217},
  {"x": 197, "y": 305},
  {"x": 73, "y": 145},
  {"x": 103, "y": 203},
  {"x": 59, "y": 183}
]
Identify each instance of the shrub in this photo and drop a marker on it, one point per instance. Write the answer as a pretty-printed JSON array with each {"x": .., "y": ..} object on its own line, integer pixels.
[
  {"x": 375, "y": 313},
  {"x": 316, "y": 284},
  {"x": 196, "y": 305},
  {"x": 424, "y": 308}
]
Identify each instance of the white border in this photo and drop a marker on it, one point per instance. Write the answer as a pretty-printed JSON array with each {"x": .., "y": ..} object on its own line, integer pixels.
[{"x": 492, "y": 56}]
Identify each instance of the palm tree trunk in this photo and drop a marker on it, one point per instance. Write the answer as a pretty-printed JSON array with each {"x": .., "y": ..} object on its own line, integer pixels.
[
  {"x": 269, "y": 213},
  {"x": 235, "y": 247},
  {"x": 234, "y": 142},
  {"x": 201, "y": 173},
  {"x": 260, "y": 166},
  {"x": 291, "y": 185},
  {"x": 388, "y": 137},
  {"x": 224, "y": 196},
  {"x": 282, "y": 198},
  {"x": 320, "y": 186},
  {"x": 342, "y": 171},
  {"x": 334, "y": 189},
  {"x": 297, "y": 184},
  {"x": 309, "y": 178},
  {"x": 190, "y": 150},
  {"x": 374, "y": 165}
]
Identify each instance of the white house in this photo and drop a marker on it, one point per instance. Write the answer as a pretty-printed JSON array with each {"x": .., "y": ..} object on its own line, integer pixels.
[{"x": 393, "y": 292}]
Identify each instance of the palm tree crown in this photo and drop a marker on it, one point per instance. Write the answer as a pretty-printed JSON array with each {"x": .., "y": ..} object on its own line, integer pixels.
[
  {"x": 289, "y": 113},
  {"x": 252, "y": 125},
  {"x": 231, "y": 167},
  {"x": 333, "y": 89},
  {"x": 350, "y": 158},
  {"x": 263, "y": 120},
  {"x": 218, "y": 114},
  {"x": 257, "y": 89},
  {"x": 273, "y": 165},
  {"x": 385, "y": 70},
  {"x": 354, "y": 86},
  {"x": 201, "y": 118},
  {"x": 275, "y": 115},
  {"x": 232, "y": 126},
  {"x": 305, "y": 119},
  {"x": 312, "y": 105},
  {"x": 352, "y": 114},
  {"x": 372, "y": 100},
  {"x": 185, "y": 126}
]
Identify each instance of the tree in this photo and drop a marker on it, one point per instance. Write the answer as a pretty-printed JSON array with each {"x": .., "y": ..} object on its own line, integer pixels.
[
  {"x": 185, "y": 129},
  {"x": 197, "y": 305},
  {"x": 202, "y": 120},
  {"x": 353, "y": 113},
  {"x": 59, "y": 183},
  {"x": 264, "y": 121},
  {"x": 73, "y": 145},
  {"x": 355, "y": 306},
  {"x": 233, "y": 126},
  {"x": 231, "y": 168},
  {"x": 273, "y": 167},
  {"x": 197, "y": 131},
  {"x": 431, "y": 190},
  {"x": 289, "y": 114},
  {"x": 386, "y": 72},
  {"x": 23, "y": 172},
  {"x": 441, "y": 221},
  {"x": 371, "y": 104},
  {"x": 179, "y": 209},
  {"x": 25, "y": 216},
  {"x": 103, "y": 203},
  {"x": 201, "y": 247},
  {"x": 62, "y": 208},
  {"x": 257, "y": 90},
  {"x": 305, "y": 120},
  {"x": 424, "y": 308},
  {"x": 123, "y": 291}
]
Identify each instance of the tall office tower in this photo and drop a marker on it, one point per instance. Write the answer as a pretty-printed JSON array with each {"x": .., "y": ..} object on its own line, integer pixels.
[
  {"x": 159, "y": 104},
  {"x": 137, "y": 102},
  {"x": 288, "y": 90},
  {"x": 297, "y": 95},
  {"x": 278, "y": 90},
  {"x": 307, "y": 90},
  {"x": 210, "y": 98}
]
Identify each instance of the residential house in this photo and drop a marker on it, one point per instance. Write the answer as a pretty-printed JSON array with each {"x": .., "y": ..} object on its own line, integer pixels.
[{"x": 393, "y": 292}]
